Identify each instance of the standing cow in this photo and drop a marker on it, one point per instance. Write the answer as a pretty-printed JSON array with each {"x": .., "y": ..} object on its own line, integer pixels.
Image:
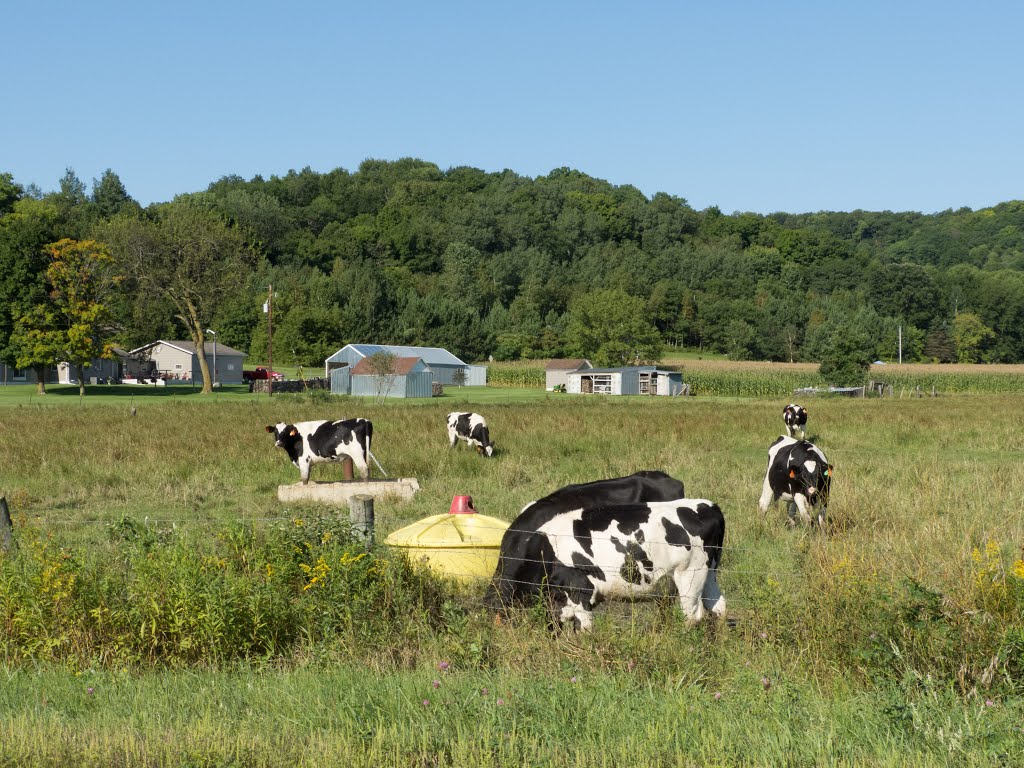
[
  {"x": 795, "y": 417},
  {"x": 518, "y": 578},
  {"x": 314, "y": 442},
  {"x": 799, "y": 473},
  {"x": 472, "y": 428}
]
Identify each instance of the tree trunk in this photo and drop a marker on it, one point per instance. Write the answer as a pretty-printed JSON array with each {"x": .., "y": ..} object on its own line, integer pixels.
[
  {"x": 40, "y": 379},
  {"x": 80, "y": 373},
  {"x": 204, "y": 367},
  {"x": 195, "y": 328}
]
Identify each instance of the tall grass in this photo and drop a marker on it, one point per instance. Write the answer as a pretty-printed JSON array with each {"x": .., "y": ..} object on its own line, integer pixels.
[{"x": 144, "y": 544}]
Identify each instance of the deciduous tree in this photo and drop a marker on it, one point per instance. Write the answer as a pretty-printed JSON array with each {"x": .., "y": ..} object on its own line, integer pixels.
[{"x": 188, "y": 254}]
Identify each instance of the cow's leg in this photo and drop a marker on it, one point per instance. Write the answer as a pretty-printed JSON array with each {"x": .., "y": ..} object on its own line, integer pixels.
[
  {"x": 804, "y": 508},
  {"x": 452, "y": 438},
  {"x": 304, "y": 466},
  {"x": 767, "y": 497},
  {"x": 690, "y": 583}
]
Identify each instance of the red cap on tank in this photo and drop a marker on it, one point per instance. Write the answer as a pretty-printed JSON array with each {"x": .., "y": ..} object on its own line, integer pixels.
[{"x": 462, "y": 505}]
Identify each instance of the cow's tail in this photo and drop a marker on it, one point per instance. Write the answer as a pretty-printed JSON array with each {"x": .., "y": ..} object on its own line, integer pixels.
[{"x": 369, "y": 436}]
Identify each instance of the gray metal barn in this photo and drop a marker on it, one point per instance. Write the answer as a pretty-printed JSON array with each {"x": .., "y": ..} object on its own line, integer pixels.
[{"x": 441, "y": 362}]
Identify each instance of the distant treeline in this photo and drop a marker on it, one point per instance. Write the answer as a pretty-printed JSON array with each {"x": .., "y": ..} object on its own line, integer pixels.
[{"x": 508, "y": 266}]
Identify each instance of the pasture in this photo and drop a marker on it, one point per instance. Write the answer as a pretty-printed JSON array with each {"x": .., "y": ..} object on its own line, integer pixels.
[{"x": 163, "y": 608}]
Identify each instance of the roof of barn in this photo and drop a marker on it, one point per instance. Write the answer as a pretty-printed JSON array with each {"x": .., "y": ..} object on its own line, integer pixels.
[
  {"x": 430, "y": 355},
  {"x": 401, "y": 367},
  {"x": 567, "y": 365}
]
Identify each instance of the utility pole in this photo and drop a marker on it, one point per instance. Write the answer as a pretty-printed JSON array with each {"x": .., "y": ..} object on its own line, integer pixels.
[
  {"x": 900, "y": 330},
  {"x": 270, "y": 340}
]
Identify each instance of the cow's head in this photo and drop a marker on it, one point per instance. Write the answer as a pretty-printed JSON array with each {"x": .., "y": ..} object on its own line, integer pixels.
[
  {"x": 812, "y": 477},
  {"x": 485, "y": 450},
  {"x": 284, "y": 434}
]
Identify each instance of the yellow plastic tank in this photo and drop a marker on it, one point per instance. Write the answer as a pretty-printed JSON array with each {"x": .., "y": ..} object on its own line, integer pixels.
[{"x": 462, "y": 543}]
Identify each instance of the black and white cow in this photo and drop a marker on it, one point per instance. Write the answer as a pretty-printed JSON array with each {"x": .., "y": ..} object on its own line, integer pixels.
[
  {"x": 622, "y": 551},
  {"x": 313, "y": 442},
  {"x": 799, "y": 473},
  {"x": 517, "y": 579},
  {"x": 612, "y": 538},
  {"x": 795, "y": 417},
  {"x": 472, "y": 428}
]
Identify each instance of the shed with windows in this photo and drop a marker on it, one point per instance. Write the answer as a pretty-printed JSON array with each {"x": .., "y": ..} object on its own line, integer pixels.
[
  {"x": 556, "y": 372},
  {"x": 443, "y": 365},
  {"x": 631, "y": 380}
]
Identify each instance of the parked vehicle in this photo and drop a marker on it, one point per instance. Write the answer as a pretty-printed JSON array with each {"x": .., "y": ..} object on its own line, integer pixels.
[{"x": 261, "y": 373}]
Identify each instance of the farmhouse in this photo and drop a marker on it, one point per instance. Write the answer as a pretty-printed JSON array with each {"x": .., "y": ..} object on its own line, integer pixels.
[
  {"x": 178, "y": 361},
  {"x": 98, "y": 370},
  {"x": 557, "y": 372},
  {"x": 12, "y": 375},
  {"x": 441, "y": 363},
  {"x": 409, "y": 377},
  {"x": 631, "y": 380}
]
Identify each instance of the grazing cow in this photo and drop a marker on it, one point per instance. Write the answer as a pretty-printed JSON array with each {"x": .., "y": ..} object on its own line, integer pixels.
[
  {"x": 526, "y": 551},
  {"x": 313, "y": 442},
  {"x": 622, "y": 551},
  {"x": 799, "y": 473},
  {"x": 472, "y": 428},
  {"x": 795, "y": 417}
]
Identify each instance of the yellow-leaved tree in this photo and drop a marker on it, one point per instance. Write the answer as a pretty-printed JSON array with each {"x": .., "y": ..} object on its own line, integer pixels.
[{"x": 74, "y": 324}]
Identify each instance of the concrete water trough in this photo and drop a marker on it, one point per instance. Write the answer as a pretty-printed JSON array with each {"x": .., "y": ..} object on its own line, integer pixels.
[{"x": 341, "y": 492}]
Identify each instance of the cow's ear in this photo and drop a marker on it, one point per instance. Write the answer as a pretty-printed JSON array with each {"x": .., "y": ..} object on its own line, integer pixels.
[
  {"x": 829, "y": 471},
  {"x": 294, "y": 432},
  {"x": 270, "y": 428},
  {"x": 792, "y": 473}
]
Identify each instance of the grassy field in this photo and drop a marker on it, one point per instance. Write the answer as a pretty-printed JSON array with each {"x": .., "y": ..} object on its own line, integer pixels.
[{"x": 163, "y": 608}]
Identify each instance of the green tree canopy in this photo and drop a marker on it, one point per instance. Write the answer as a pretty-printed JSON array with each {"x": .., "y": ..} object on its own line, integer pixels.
[{"x": 611, "y": 327}]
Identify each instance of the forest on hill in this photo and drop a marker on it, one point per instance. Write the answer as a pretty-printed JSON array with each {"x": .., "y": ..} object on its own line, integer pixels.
[{"x": 498, "y": 265}]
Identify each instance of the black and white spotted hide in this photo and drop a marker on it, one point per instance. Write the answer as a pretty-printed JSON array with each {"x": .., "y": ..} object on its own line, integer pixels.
[
  {"x": 795, "y": 417},
  {"x": 314, "y": 442},
  {"x": 622, "y": 551},
  {"x": 798, "y": 473},
  {"x": 472, "y": 428},
  {"x": 520, "y": 573}
]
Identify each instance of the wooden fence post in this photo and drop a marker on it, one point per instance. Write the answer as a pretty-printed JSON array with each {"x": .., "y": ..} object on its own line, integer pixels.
[
  {"x": 6, "y": 526},
  {"x": 346, "y": 468},
  {"x": 360, "y": 510}
]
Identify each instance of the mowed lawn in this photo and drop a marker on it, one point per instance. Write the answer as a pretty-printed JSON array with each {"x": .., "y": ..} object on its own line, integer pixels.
[{"x": 893, "y": 637}]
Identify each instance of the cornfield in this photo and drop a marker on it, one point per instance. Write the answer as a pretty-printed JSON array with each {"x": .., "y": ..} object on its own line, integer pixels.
[{"x": 749, "y": 379}]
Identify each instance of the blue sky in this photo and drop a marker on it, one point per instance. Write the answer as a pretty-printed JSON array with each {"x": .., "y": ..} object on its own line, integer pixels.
[{"x": 747, "y": 106}]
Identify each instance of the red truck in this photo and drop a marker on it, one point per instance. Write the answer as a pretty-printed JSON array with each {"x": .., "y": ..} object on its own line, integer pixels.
[{"x": 261, "y": 373}]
